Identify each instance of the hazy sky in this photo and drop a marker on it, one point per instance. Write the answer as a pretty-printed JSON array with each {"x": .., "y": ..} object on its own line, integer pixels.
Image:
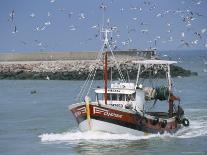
[{"x": 73, "y": 25}]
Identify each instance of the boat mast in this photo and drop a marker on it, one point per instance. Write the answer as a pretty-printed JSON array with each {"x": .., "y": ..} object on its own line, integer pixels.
[
  {"x": 105, "y": 77},
  {"x": 170, "y": 91},
  {"x": 106, "y": 31}
]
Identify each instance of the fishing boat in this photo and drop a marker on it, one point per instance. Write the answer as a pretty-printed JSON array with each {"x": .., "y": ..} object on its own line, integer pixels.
[{"x": 121, "y": 106}]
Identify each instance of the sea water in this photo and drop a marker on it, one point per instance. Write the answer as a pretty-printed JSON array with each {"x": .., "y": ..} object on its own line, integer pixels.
[{"x": 34, "y": 119}]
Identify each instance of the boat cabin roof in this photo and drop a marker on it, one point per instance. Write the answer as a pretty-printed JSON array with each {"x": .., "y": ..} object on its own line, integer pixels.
[
  {"x": 115, "y": 91},
  {"x": 156, "y": 62}
]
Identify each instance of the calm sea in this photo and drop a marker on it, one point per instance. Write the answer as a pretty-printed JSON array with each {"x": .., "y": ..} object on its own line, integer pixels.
[{"x": 40, "y": 123}]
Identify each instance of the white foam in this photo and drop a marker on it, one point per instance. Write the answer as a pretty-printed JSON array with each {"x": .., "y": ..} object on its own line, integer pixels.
[
  {"x": 197, "y": 128},
  {"x": 90, "y": 135}
]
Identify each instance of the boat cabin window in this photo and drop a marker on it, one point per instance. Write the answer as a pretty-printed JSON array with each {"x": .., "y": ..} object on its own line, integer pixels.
[
  {"x": 114, "y": 97},
  {"x": 130, "y": 97},
  {"x": 117, "y": 97}
]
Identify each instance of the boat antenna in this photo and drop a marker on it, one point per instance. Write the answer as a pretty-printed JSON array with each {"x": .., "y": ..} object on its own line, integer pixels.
[{"x": 103, "y": 8}]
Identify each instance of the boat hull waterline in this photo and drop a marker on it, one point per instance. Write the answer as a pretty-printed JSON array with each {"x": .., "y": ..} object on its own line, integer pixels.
[{"x": 106, "y": 118}]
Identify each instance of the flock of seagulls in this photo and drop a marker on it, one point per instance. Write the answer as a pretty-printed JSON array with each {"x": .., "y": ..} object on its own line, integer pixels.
[{"x": 186, "y": 17}]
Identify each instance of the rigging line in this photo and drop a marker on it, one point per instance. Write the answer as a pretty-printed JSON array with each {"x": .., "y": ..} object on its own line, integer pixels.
[
  {"x": 77, "y": 97},
  {"x": 127, "y": 74},
  {"x": 83, "y": 89},
  {"x": 85, "y": 84},
  {"x": 117, "y": 65},
  {"x": 91, "y": 82},
  {"x": 80, "y": 94}
]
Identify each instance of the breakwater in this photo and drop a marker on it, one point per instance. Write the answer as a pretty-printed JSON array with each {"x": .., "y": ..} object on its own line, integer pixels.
[{"x": 73, "y": 69}]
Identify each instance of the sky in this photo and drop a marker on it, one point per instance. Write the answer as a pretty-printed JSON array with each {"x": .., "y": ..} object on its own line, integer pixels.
[{"x": 74, "y": 25}]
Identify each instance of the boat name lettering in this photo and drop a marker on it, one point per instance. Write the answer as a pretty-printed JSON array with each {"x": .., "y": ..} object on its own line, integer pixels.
[
  {"x": 106, "y": 112},
  {"x": 113, "y": 90},
  {"x": 80, "y": 111}
]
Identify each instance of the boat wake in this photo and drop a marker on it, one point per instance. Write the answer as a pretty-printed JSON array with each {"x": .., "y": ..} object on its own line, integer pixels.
[
  {"x": 198, "y": 127},
  {"x": 90, "y": 136}
]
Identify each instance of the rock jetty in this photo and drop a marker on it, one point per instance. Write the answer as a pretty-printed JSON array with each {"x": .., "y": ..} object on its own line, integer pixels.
[{"x": 72, "y": 69}]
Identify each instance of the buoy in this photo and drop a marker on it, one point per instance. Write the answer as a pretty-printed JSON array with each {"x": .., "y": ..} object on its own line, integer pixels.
[
  {"x": 185, "y": 122},
  {"x": 33, "y": 92},
  {"x": 155, "y": 121},
  {"x": 163, "y": 123}
]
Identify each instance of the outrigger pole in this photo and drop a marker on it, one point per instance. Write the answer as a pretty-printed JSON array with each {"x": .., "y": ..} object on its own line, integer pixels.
[{"x": 170, "y": 101}]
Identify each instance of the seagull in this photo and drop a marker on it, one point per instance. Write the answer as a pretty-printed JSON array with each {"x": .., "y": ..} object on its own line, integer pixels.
[
  {"x": 94, "y": 26},
  {"x": 185, "y": 43},
  {"x": 158, "y": 37},
  {"x": 122, "y": 9},
  {"x": 114, "y": 28},
  {"x": 158, "y": 15},
  {"x": 43, "y": 28},
  {"x": 170, "y": 39},
  {"x": 12, "y": 15},
  {"x": 48, "y": 14},
  {"x": 118, "y": 35},
  {"x": 183, "y": 34},
  {"x": 15, "y": 30},
  {"x": 70, "y": 14},
  {"x": 52, "y": 1},
  {"x": 198, "y": 34},
  {"x": 133, "y": 8},
  {"x": 124, "y": 43},
  {"x": 39, "y": 44},
  {"x": 32, "y": 15},
  {"x": 47, "y": 78},
  {"x": 203, "y": 30},
  {"x": 142, "y": 23},
  {"x": 82, "y": 16},
  {"x": 48, "y": 23},
  {"x": 37, "y": 28},
  {"x": 102, "y": 6},
  {"x": 96, "y": 35},
  {"x": 188, "y": 25},
  {"x": 146, "y": 2},
  {"x": 195, "y": 42},
  {"x": 198, "y": 3},
  {"x": 144, "y": 30},
  {"x": 72, "y": 28}
]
